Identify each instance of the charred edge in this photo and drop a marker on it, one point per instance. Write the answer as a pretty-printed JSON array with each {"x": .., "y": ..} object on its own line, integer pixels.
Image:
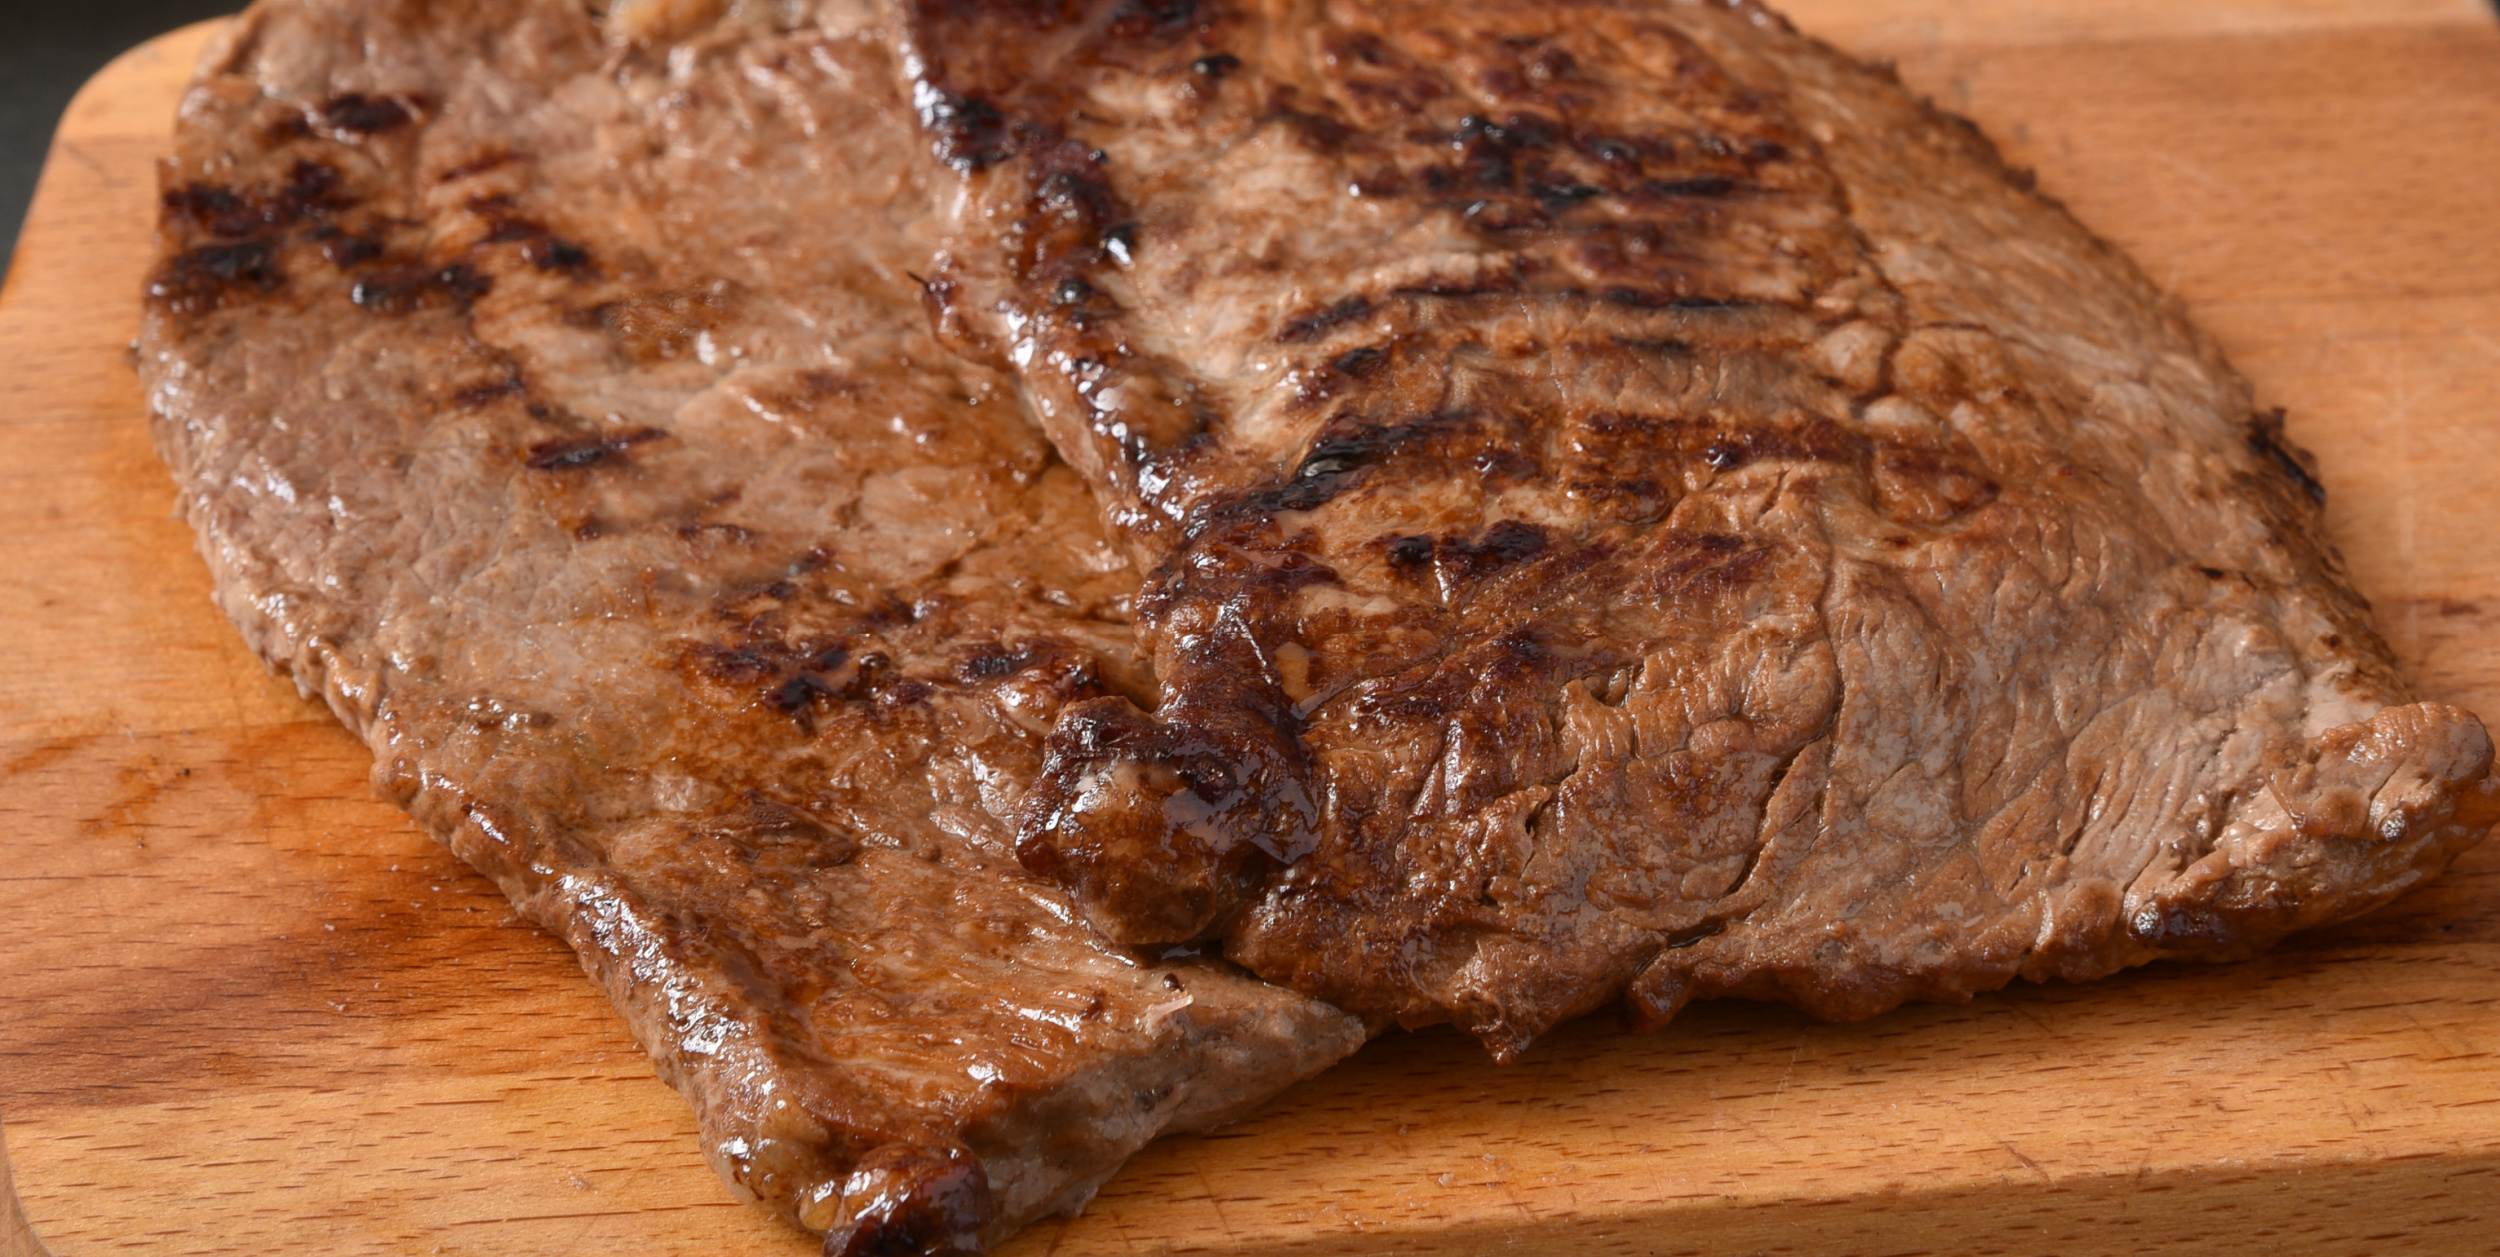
[
  {"x": 405, "y": 288},
  {"x": 359, "y": 114},
  {"x": 574, "y": 455},
  {"x": 909, "y": 1202},
  {"x": 2267, "y": 441}
]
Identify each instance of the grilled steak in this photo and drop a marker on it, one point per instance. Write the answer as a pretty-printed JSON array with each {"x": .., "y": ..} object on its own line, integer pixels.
[
  {"x": 1639, "y": 506},
  {"x": 553, "y": 401}
]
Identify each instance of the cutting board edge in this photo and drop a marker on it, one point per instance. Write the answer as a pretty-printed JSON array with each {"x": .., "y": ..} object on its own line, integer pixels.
[{"x": 24, "y": 1243}]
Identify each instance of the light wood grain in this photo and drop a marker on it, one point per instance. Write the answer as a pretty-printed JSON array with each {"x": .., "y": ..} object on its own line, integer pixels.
[
  {"x": 245, "y": 1008},
  {"x": 17, "y": 1235}
]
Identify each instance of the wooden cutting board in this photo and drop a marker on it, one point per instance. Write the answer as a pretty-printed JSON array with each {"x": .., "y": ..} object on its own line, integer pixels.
[{"x": 246, "y": 1008}]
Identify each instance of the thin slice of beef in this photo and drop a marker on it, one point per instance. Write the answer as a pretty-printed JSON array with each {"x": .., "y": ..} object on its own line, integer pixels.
[
  {"x": 554, "y": 402},
  {"x": 1637, "y": 504}
]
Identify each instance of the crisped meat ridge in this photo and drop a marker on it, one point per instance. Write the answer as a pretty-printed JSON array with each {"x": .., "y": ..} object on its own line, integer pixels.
[
  {"x": 680, "y": 582},
  {"x": 1639, "y": 506}
]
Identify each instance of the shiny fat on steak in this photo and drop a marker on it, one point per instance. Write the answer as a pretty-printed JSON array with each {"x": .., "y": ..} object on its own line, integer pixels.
[
  {"x": 1637, "y": 505},
  {"x": 558, "y": 408}
]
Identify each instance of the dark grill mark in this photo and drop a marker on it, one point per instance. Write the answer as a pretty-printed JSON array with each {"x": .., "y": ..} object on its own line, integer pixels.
[
  {"x": 1643, "y": 299},
  {"x": 478, "y": 165},
  {"x": 1216, "y": 66},
  {"x": 1442, "y": 287},
  {"x": 365, "y": 115},
  {"x": 1151, "y": 19},
  {"x": 2266, "y": 440},
  {"x": 798, "y": 694},
  {"x": 548, "y": 253},
  {"x": 1358, "y": 363},
  {"x": 539, "y": 247},
  {"x": 1707, "y": 187},
  {"x": 344, "y": 251},
  {"x": 1310, "y": 327},
  {"x": 1119, "y": 241},
  {"x": 1336, "y": 460},
  {"x": 312, "y": 190},
  {"x": 211, "y": 275},
  {"x": 1613, "y": 152},
  {"x": 735, "y": 666},
  {"x": 995, "y": 662},
  {"x": 1317, "y": 130},
  {"x": 970, "y": 133},
  {"x": 1072, "y": 188},
  {"x": 1820, "y": 441},
  {"x": 1558, "y": 194},
  {"x": 405, "y": 288},
  {"x": 1506, "y": 544},
  {"x": 572, "y": 455},
  {"x": 1518, "y": 131},
  {"x": 800, "y": 679},
  {"x": 1327, "y": 462},
  {"x": 777, "y": 834},
  {"x": 1328, "y": 470},
  {"x": 475, "y": 395}
]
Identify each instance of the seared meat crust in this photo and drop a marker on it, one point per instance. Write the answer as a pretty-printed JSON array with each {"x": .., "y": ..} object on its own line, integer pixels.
[
  {"x": 1638, "y": 505},
  {"x": 554, "y": 402}
]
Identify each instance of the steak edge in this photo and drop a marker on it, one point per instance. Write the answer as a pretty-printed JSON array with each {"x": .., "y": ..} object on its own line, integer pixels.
[
  {"x": 1637, "y": 506},
  {"x": 680, "y": 582}
]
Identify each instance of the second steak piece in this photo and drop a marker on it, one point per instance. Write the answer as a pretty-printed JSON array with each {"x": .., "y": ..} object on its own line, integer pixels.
[{"x": 1638, "y": 504}]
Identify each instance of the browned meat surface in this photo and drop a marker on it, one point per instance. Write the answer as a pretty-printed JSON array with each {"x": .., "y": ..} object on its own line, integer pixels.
[
  {"x": 553, "y": 401},
  {"x": 1638, "y": 506}
]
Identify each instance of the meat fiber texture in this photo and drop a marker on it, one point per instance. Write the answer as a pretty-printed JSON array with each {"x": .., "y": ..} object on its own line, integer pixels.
[
  {"x": 1637, "y": 506},
  {"x": 1473, "y": 511},
  {"x": 552, "y": 400}
]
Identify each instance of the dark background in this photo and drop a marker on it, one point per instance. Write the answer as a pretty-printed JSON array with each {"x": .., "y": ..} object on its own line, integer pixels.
[{"x": 48, "y": 48}]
